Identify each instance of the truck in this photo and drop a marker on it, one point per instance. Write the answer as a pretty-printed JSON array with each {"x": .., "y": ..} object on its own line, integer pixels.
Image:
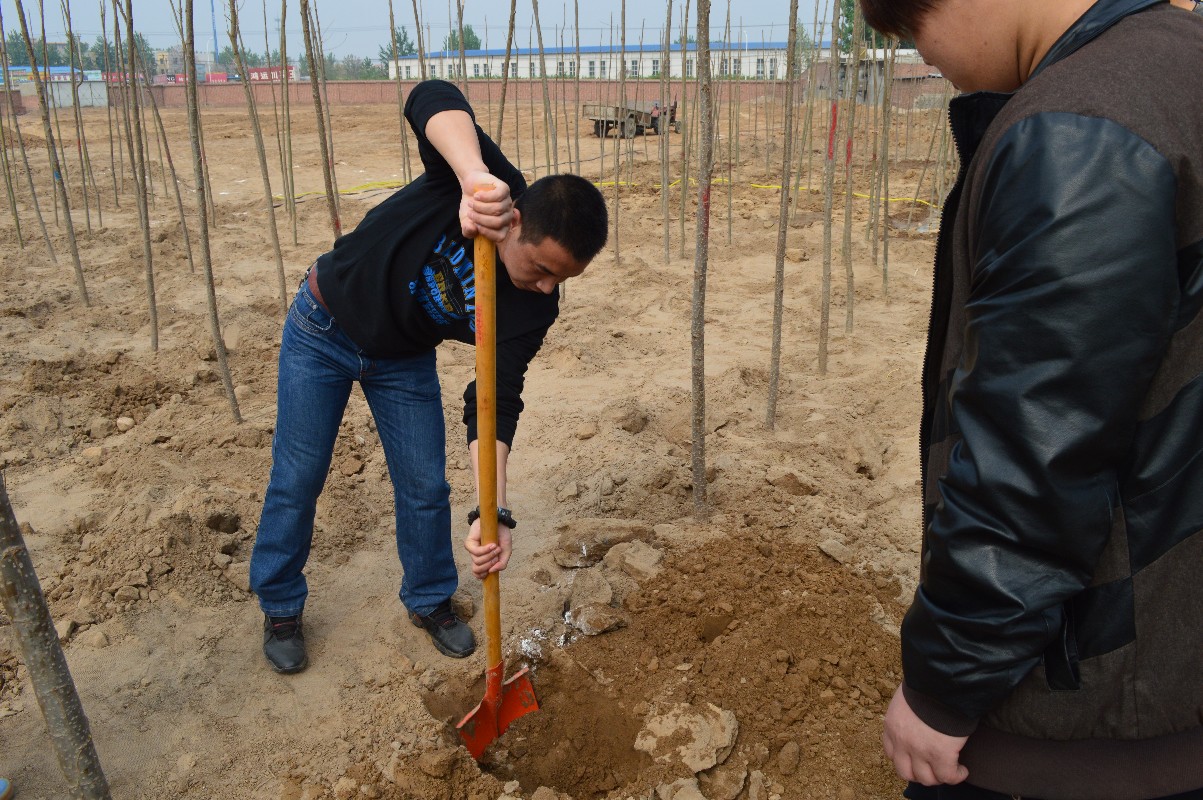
[{"x": 631, "y": 119}]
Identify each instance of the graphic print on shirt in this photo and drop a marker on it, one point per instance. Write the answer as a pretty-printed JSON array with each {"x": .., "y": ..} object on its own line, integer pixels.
[{"x": 446, "y": 287}]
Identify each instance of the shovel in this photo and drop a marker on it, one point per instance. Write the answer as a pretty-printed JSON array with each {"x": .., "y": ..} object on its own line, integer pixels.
[{"x": 505, "y": 700}]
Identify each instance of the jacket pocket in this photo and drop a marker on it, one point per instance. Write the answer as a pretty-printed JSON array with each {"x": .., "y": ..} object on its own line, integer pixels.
[{"x": 1061, "y": 656}]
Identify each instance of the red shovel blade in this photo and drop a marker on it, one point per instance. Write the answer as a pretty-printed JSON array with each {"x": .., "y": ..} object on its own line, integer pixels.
[{"x": 487, "y": 721}]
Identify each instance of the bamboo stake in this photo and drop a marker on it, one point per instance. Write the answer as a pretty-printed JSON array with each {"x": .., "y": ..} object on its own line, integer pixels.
[
  {"x": 858, "y": 27},
  {"x": 25, "y": 605},
  {"x": 219, "y": 345},
  {"x": 550, "y": 145},
  {"x": 271, "y": 87},
  {"x": 175, "y": 178},
  {"x": 807, "y": 146},
  {"x": 392, "y": 25},
  {"x": 730, "y": 127},
  {"x": 620, "y": 125},
  {"x": 52, "y": 152},
  {"x": 505, "y": 69},
  {"x": 207, "y": 195},
  {"x": 576, "y": 31},
  {"x": 61, "y": 143},
  {"x": 829, "y": 188},
  {"x": 236, "y": 46},
  {"x": 331, "y": 203},
  {"x": 463, "y": 60},
  {"x": 697, "y": 328},
  {"x": 787, "y": 155},
  {"x": 534, "y": 155},
  {"x": 138, "y": 159}
]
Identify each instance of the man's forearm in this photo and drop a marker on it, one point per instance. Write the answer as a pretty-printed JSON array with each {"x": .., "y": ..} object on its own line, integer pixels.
[
  {"x": 503, "y": 454},
  {"x": 453, "y": 134}
]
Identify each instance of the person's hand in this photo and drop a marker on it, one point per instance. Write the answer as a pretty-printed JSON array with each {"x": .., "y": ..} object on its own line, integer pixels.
[
  {"x": 921, "y": 753},
  {"x": 485, "y": 208},
  {"x": 492, "y": 557}
]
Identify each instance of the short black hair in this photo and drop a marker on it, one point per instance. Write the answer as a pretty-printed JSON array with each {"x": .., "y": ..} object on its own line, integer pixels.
[
  {"x": 900, "y": 18},
  {"x": 570, "y": 210}
]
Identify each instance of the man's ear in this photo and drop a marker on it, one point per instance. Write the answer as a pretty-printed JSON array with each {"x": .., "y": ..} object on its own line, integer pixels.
[{"x": 516, "y": 221}]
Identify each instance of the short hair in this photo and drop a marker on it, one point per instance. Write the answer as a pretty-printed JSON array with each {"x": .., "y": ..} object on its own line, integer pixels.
[
  {"x": 899, "y": 18},
  {"x": 570, "y": 210}
]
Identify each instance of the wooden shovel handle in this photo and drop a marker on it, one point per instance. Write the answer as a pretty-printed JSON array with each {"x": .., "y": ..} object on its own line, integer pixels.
[{"x": 486, "y": 429}]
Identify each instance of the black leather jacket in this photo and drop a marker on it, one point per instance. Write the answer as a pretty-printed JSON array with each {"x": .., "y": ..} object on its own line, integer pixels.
[{"x": 1062, "y": 431}]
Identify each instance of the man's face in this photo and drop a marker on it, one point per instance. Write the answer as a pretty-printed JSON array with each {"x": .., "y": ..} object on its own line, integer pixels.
[
  {"x": 973, "y": 43},
  {"x": 537, "y": 267}
]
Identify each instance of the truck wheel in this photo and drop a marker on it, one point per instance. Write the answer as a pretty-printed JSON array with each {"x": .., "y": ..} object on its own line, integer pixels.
[{"x": 598, "y": 128}]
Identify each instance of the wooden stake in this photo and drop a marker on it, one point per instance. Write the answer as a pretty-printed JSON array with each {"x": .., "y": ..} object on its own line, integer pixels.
[
  {"x": 697, "y": 327},
  {"x": 829, "y": 188},
  {"x": 858, "y": 27},
  {"x": 505, "y": 70}
]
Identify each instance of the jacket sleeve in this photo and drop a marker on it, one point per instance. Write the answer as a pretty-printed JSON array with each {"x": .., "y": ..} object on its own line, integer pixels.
[
  {"x": 1074, "y": 286},
  {"x": 513, "y": 357},
  {"x": 432, "y": 97}
]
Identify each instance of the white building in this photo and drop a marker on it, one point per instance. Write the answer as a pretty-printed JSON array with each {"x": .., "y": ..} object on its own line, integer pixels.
[{"x": 748, "y": 60}]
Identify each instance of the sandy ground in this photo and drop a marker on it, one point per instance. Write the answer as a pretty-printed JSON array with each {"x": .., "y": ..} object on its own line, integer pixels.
[{"x": 752, "y": 654}]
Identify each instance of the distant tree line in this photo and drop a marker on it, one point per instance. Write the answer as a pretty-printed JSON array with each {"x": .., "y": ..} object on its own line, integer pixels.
[{"x": 90, "y": 55}]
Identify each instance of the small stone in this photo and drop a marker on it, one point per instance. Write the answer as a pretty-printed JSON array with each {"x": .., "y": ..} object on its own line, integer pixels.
[
  {"x": 638, "y": 559},
  {"x": 584, "y": 542},
  {"x": 94, "y": 638},
  {"x": 463, "y": 605},
  {"x": 511, "y": 787},
  {"x": 568, "y": 491},
  {"x": 351, "y": 466},
  {"x": 222, "y": 560},
  {"x": 791, "y": 481},
  {"x": 64, "y": 628},
  {"x": 437, "y": 763},
  {"x": 93, "y": 455},
  {"x": 82, "y": 616},
  {"x": 594, "y": 620},
  {"x": 242, "y": 391},
  {"x": 125, "y": 424},
  {"x": 101, "y": 427},
  {"x": 699, "y": 738},
  {"x": 127, "y": 594},
  {"x": 836, "y": 550},
  {"x": 788, "y": 757},
  {"x": 544, "y": 793},
  {"x": 346, "y": 788},
  {"x": 586, "y": 430},
  {"x": 239, "y": 574}
]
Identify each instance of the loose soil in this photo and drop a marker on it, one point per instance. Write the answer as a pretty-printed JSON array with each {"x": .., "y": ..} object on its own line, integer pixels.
[{"x": 780, "y": 606}]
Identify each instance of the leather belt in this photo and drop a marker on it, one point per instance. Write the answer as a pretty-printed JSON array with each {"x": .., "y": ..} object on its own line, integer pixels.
[{"x": 311, "y": 279}]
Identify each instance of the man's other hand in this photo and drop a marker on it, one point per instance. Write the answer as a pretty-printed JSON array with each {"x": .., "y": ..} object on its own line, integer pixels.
[
  {"x": 921, "y": 753},
  {"x": 488, "y": 558},
  {"x": 485, "y": 208}
]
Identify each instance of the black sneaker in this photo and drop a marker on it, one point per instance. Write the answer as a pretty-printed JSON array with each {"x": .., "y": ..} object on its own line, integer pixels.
[
  {"x": 284, "y": 644},
  {"x": 449, "y": 633}
]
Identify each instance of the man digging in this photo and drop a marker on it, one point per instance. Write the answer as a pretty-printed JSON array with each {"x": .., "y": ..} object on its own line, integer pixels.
[{"x": 372, "y": 310}]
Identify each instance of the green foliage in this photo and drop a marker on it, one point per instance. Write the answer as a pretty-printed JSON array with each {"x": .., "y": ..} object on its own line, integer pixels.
[
  {"x": 471, "y": 40},
  {"x": 404, "y": 45}
]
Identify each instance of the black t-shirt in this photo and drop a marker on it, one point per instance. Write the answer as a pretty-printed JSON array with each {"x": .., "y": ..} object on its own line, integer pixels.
[{"x": 404, "y": 280}]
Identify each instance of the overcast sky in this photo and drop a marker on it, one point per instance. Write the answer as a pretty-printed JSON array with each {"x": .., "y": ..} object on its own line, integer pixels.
[{"x": 360, "y": 27}]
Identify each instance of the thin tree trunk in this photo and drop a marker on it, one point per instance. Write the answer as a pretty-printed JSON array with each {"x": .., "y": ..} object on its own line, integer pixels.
[
  {"x": 463, "y": 58},
  {"x": 620, "y": 125},
  {"x": 331, "y": 204},
  {"x": 421, "y": 46},
  {"x": 253, "y": 112},
  {"x": 290, "y": 183},
  {"x": 697, "y": 328},
  {"x": 81, "y": 139},
  {"x": 665, "y": 124},
  {"x": 783, "y": 218},
  {"x": 137, "y": 157},
  {"x": 576, "y": 32},
  {"x": 219, "y": 345},
  {"x": 505, "y": 70},
  {"x": 886, "y": 119},
  {"x": 392, "y": 25},
  {"x": 175, "y": 178},
  {"x": 25, "y": 605},
  {"x": 52, "y": 152},
  {"x": 688, "y": 129},
  {"x": 829, "y": 189},
  {"x": 858, "y": 27},
  {"x": 320, "y": 45},
  {"x": 8, "y": 181},
  {"x": 550, "y": 145},
  {"x": 108, "y": 107}
]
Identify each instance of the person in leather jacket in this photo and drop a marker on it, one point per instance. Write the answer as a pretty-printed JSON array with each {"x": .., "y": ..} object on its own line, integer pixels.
[{"x": 1054, "y": 644}]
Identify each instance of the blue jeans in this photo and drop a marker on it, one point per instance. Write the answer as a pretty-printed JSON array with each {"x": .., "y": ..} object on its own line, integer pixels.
[{"x": 318, "y": 364}]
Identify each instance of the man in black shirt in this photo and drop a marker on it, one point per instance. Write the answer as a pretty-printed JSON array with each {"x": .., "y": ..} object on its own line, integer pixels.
[{"x": 372, "y": 310}]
